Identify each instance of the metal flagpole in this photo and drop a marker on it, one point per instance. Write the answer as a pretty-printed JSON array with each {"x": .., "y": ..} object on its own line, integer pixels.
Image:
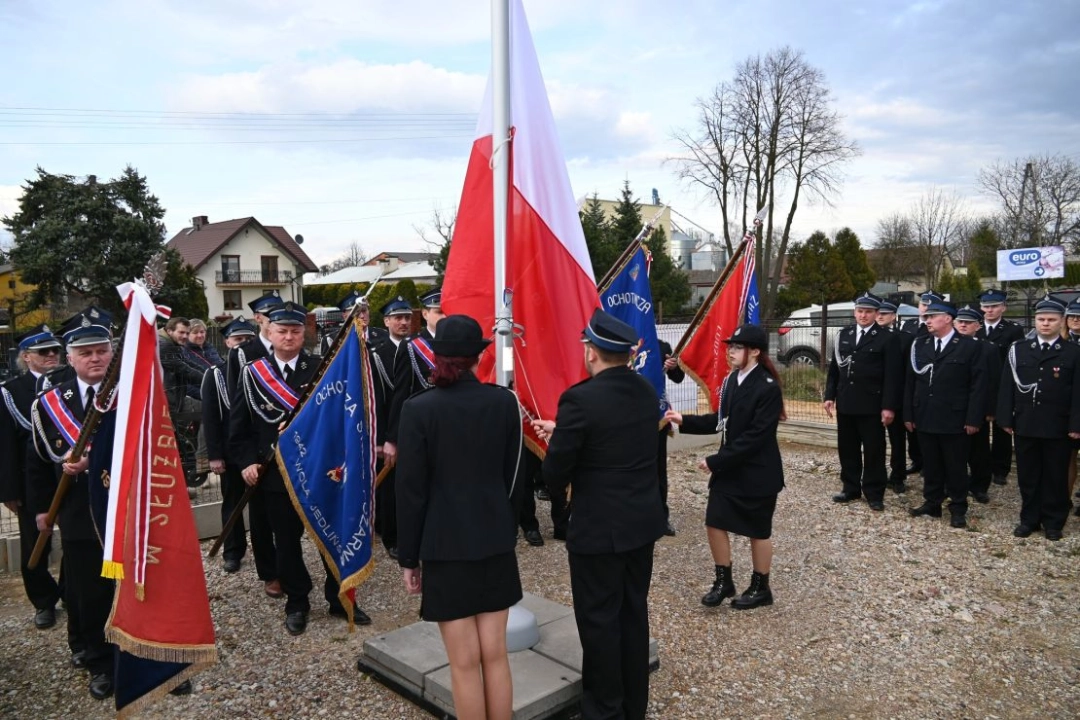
[{"x": 500, "y": 169}]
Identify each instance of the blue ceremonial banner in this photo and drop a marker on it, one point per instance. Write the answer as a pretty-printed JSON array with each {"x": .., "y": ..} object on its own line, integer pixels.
[
  {"x": 629, "y": 298},
  {"x": 752, "y": 311},
  {"x": 327, "y": 456}
]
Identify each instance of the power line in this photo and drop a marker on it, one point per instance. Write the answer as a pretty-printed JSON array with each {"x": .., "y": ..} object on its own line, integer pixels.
[
  {"x": 243, "y": 142},
  {"x": 7, "y": 109}
]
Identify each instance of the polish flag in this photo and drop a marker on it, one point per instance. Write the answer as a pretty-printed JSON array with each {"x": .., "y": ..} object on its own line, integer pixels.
[{"x": 547, "y": 262}]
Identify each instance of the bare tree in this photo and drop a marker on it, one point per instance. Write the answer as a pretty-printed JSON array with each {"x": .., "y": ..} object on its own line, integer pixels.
[
  {"x": 894, "y": 256},
  {"x": 442, "y": 222},
  {"x": 354, "y": 256},
  {"x": 767, "y": 139},
  {"x": 1039, "y": 197},
  {"x": 938, "y": 223}
]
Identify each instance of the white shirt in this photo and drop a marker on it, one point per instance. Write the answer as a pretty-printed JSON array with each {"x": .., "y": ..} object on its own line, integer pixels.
[
  {"x": 266, "y": 343},
  {"x": 860, "y": 331},
  {"x": 291, "y": 364},
  {"x": 743, "y": 373},
  {"x": 990, "y": 328},
  {"x": 83, "y": 387},
  {"x": 945, "y": 340}
]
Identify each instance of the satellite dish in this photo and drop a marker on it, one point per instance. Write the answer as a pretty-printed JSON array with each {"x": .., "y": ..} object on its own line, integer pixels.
[{"x": 299, "y": 239}]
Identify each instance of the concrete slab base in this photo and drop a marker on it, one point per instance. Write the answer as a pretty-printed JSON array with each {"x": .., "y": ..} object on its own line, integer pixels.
[{"x": 547, "y": 678}]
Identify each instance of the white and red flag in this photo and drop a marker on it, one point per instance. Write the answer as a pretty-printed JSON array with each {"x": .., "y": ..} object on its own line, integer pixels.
[{"x": 548, "y": 270}]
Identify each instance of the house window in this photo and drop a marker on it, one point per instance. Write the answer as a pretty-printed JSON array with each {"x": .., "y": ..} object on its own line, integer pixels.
[
  {"x": 269, "y": 268},
  {"x": 230, "y": 268},
  {"x": 231, "y": 300},
  {"x": 11, "y": 284}
]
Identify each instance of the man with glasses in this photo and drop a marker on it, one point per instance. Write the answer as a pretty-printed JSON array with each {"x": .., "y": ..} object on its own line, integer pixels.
[{"x": 39, "y": 354}]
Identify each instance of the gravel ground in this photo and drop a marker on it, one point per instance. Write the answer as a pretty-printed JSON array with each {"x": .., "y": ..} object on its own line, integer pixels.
[{"x": 876, "y": 615}]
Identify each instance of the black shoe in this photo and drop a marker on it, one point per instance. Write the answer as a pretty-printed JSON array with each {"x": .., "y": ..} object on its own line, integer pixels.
[
  {"x": 543, "y": 494},
  {"x": 559, "y": 534},
  {"x": 296, "y": 622},
  {"x": 231, "y": 565},
  {"x": 669, "y": 530},
  {"x": 757, "y": 595},
  {"x": 1022, "y": 531},
  {"x": 722, "y": 587},
  {"x": 845, "y": 497},
  {"x": 359, "y": 616},
  {"x": 876, "y": 505},
  {"x": 999, "y": 479},
  {"x": 957, "y": 521},
  {"x": 534, "y": 538},
  {"x": 78, "y": 659},
  {"x": 45, "y": 618},
  {"x": 101, "y": 686},
  {"x": 897, "y": 487},
  {"x": 980, "y": 496},
  {"x": 1053, "y": 535},
  {"x": 913, "y": 468},
  {"x": 183, "y": 688},
  {"x": 928, "y": 509},
  {"x": 391, "y": 550}
]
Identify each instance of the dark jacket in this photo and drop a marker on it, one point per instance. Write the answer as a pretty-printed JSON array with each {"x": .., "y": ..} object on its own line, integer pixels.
[
  {"x": 604, "y": 449},
  {"x": 215, "y": 413},
  {"x": 953, "y": 394},
  {"x": 993, "y": 375},
  {"x": 180, "y": 370},
  {"x": 748, "y": 463},
  {"x": 457, "y": 458},
  {"x": 675, "y": 374},
  {"x": 410, "y": 377},
  {"x": 1004, "y": 335},
  {"x": 914, "y": 327},
  {"x": 43, "y": 475},
  {"x": 17, "y": 397},
  {"x": 251, "y": 436},
  {"x": 250, "y": 351},
  {"x": 870, "y": 380},
  {"x": 1052, "y": 408}
]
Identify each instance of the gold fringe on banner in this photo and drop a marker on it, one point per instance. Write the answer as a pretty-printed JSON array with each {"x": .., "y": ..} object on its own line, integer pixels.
[{"x": 112, "y": 570}]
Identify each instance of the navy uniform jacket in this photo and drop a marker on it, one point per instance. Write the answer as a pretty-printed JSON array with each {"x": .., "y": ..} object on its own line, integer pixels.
[
  {"x": 748, "y": 463},
  {"x": 17, "y": 397},
  {"x": 215, "y": 413},
  {"x": 250, "y": 436},
  {"x": 406, "y": 382},
  {"x": 871, "y": 381},
  {"x": 956, "y": 396},
  {"x": 604, "y": 448},
  {"x": 1053, "y": 410},
  {"x": 458, "y": 455},
  {"x": 1005, "y": 333},
  {"x": 914, "y": 327},
  {"x": 43, "y": 475},
  {"x": 252, "y": 350},
  {"x": 993, "y": 375}
]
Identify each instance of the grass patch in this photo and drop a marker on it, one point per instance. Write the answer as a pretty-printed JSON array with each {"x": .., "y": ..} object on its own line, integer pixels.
[{"x": 803, "y": 382}]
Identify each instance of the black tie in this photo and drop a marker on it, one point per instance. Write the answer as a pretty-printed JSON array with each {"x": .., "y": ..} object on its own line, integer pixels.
[
  {"x": 1045, "y": 346},
  {"x": 287, "y": 372},
  {"x": 937, "y": 350}
]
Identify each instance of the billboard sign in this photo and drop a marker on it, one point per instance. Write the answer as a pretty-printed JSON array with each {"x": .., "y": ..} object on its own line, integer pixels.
[{"x": 1038, "y": 263}]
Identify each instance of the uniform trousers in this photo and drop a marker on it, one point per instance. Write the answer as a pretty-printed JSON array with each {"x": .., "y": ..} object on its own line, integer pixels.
[
  {"x": 914, "y": 451},
  {"x": 89, "y": 599},
  {"x": 945, "y": 469},
  {"x": 523, "y": 498},
  {"x": 263, "y": 545},
  {"x": 610, "y": 593},
  {"x": 1042, "y": 472},
  {"x": 1002, "y": 452},
  {"x": 979, "y": 462},
  {"x": 860, "y": 440},
  {"x": 39, "y": 584},
  {"x": 897, "y": 452},
  {"x": 292, "y": 571}
]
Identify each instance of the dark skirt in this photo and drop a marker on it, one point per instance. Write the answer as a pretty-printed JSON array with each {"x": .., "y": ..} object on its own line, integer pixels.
[
  {"x": 459, "y": 589},
  {"x": 747, "y": 516}
]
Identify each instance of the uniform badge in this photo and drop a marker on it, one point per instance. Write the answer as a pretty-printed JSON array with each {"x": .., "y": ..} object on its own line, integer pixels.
[
  {"x": 303, "y": 365},
  {"x": 85, "y": 322},
  {"x": 45, "y": 328},
  {"x": 68, "y": 394},
  {"x": 336, "y": 474},
  {"x": 634, "y": 271},
  {"x": 59, "y": 443}
]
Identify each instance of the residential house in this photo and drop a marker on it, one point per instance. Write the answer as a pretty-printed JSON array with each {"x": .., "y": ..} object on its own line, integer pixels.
[
  {"x": 239, "y": 260},
  {"x": 388, "y": 262},
  {"x": 14, "y": 293}
]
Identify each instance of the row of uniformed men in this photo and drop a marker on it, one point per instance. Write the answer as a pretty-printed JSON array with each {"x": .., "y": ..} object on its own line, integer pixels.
[{"x": 954, "y": 379}]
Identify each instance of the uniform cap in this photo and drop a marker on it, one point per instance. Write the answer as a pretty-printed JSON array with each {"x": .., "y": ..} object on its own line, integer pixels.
[
  {"x": 38, "y": 338},
  {"x": 92, "y": 326},
  {"x": 432, "y": 298},
  {"x": 397, "y": 306},
  {"x": 239, "y": 326},
  {"x": 288, "y": 313},
  {"x": 750, "y": 336},
  {"x": 265, "y": 303},
  {"x": 609, "y": 333}
]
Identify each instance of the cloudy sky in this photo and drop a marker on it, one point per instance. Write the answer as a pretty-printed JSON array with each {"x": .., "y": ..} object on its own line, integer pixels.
[{"x": 359, "y": 114}]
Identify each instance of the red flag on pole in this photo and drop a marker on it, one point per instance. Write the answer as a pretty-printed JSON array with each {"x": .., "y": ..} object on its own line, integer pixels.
[{"x": 547, "y": 268}]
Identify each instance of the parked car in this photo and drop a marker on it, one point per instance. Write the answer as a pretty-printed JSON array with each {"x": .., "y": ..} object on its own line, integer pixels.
[
  {"x": 799, "y": 336},
  {"x": 325, "y": 321}
]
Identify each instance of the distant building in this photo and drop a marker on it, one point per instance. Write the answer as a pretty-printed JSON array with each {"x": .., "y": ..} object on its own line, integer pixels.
[
  {"x": 684, "y": 236},
  {"x": 239, "y": 260},
  {"x": 14, "y": 294}
]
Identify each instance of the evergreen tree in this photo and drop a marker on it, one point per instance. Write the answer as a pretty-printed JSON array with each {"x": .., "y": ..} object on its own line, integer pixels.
[
  {"x": 846, "y": 243},
  {"x": 817, "y": 274},
  {"x": 595, "y": 226},
  {"x": 984, "y": 243}
]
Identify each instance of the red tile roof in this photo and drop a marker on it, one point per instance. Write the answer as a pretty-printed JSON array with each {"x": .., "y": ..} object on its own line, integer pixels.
[{"x": 198, "y": 246}]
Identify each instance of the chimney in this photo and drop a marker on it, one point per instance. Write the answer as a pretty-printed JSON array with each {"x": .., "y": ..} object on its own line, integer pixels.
[{"x": 198, "y": 221}]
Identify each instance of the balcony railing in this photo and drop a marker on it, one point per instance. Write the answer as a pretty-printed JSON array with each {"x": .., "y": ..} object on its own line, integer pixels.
[{"x": 252, "y": 277}]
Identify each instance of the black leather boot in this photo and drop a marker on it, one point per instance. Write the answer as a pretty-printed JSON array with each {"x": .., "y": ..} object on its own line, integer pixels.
[
  {"x": 722, "y": 588},
  {"x": 756, "y": 595}
]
